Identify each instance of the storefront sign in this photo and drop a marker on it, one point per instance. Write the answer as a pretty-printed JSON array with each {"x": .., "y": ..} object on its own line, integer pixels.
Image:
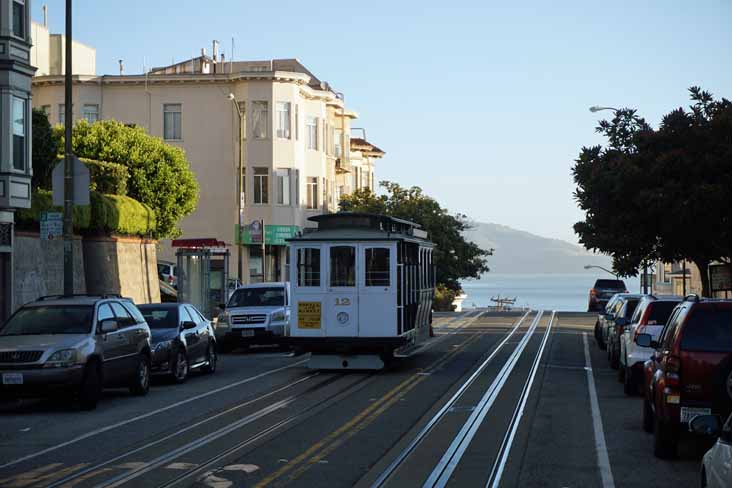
[
  {"x": 274, "y": 235},
  {"x": 52, "y": 225},
  {"x": 256, "y": 233}
]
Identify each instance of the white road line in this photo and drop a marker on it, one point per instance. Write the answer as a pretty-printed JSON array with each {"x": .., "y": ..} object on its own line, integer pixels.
[
  {"x": 384, "y": 476},
  {"x": 442, "y": 472},
  {"x": 501, "y": 463},
  {"x": 145, "y": 415},
  {"x": 603, "y": 460}
]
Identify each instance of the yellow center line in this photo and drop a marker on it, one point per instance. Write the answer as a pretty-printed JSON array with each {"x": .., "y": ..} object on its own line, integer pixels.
[
  {"x": 28, "y": 477},
  {"x": 365, "y": 417}
]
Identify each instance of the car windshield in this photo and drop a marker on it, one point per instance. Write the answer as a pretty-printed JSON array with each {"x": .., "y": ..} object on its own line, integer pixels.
[
  {"x": 708, "y": 330},
  {"x": 257, "y": 297},
  {"x": 57, "y": 319},
  {"x": 160, "y": 317},
  {"x": 611, "y": 284},
  {"x": 660, "y": 312}
]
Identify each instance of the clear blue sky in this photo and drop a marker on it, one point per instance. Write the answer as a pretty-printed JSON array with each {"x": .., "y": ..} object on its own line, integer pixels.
[{"x": 482, "y": 104}]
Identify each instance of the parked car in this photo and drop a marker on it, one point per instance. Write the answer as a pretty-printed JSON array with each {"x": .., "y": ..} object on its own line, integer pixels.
[
  {"x": 602, "y": 318},
  {"x": 255, "y": 314},
  {"x": 716, "y": 471},
  {"x": 608, "y": 321},
  {"x": 182, "y": 340},
  {"x": 650, "y": 316},
  {"x": 75, "y": 344},
  {"x": 168, "y": 272},
  {"x": 602, "y": 292},
  {"x": 690, "y": 373},
  {"x": 616, "y": 327}
]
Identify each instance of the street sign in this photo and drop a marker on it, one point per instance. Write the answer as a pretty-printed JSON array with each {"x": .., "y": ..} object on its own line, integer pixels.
[
  {"x": 720, "y": 277},
  {"x": 52, "y": 225},
  {"x": 274, "y": 235},
  {"x": 82, "y": 180}
]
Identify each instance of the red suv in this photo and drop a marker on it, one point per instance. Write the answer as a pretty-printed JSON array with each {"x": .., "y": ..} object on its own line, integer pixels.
[{"x": 690, "y": 373}]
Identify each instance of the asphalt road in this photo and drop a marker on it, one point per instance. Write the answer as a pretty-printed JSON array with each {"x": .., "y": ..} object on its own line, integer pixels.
[{"x": 497, "y": 400}]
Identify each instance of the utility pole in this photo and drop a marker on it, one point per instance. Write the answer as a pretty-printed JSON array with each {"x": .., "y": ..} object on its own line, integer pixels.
[{"x": 68, "y": 165}]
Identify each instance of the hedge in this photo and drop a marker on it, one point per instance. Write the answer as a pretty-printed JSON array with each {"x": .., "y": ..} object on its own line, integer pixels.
[
  {"x": 106, "y": 177},
  {"x": 109, "y": 214}
]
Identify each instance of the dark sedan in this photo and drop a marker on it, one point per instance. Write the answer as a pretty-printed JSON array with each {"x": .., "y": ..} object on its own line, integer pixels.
[{"x": 182, "y": 339}]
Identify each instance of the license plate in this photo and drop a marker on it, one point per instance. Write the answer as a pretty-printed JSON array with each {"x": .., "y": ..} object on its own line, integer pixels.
[
  {"x": 247, "y": 333},
  {"x": 12, "y": 378},
  {"x": 688, "y": 413}
]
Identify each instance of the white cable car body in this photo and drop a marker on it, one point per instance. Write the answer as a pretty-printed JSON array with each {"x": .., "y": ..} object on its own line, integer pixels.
[{"x": 362, "y": 288}]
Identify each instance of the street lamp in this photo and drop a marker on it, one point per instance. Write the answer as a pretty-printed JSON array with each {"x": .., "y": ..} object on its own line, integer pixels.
[
  {"x": 590, "y": 266},
  {"x": 240, "y": 187},
  {"x": 596, "y": 108}
]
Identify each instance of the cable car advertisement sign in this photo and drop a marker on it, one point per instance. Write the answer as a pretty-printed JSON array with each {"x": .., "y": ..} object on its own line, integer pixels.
[{"x": 308, "y": 315}]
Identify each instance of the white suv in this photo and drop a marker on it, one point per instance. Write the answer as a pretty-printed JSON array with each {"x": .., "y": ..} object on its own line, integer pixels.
[{"x": 255, "y": 314}]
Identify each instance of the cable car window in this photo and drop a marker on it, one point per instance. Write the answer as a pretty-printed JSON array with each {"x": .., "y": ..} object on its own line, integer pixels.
[
  {"x": 343, "y": 266},
  {"x": 377, "y": 267},
  {"x": 308, "y": 267}
]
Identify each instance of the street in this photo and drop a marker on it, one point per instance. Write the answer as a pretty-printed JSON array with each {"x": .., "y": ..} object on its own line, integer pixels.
[{"x": 498, "y": 399}]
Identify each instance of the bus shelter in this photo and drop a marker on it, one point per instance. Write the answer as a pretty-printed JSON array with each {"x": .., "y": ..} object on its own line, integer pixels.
[{"x": 203, "y": 273}]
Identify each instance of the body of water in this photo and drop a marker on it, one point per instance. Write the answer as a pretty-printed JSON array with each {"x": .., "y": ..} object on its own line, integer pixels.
[{"x": 567, "y": 292}]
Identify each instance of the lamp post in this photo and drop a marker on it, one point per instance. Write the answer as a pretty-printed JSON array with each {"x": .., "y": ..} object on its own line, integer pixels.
[
  {"x": 590, "y": 266},
  {"x": 240, "y": 188},
  {"x": 68, "y": 163}
]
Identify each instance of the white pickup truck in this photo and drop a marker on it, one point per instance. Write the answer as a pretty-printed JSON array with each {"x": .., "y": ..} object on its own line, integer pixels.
[{"x": 255, "y": 314}]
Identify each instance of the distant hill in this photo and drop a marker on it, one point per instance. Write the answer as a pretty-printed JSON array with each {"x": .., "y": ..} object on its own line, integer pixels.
[{"x": 521, "y": 252}]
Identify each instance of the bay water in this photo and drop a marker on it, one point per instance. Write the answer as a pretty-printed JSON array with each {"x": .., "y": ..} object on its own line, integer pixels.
[{"x": 565, "y": 292}]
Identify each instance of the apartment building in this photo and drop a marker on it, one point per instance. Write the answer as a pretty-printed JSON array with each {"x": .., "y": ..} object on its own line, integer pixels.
[
  {"x": 15, "y": 129},
  {"x": 296, "y": 149}
]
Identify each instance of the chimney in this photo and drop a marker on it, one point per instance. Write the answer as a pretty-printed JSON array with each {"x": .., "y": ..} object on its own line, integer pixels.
[
  {"x": 203, "y": 51},
  {"x": 222, "y": 59},
  {"x": 45, "y": 16},
  {"x": 121, "y": 67},
  {"x": 215, "y": 50}
]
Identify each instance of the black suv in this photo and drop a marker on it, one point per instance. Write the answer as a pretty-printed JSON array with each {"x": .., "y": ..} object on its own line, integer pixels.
[
  {"x": 75, "y": 344},
  {"x": 604, "y": 291}
]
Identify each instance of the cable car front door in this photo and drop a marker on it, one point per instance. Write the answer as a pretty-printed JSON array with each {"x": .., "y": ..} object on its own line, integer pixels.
[{"x": 341, "y": 318}]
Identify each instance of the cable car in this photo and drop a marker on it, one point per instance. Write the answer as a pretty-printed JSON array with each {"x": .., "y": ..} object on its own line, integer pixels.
[{"x": 362, "y": 290}]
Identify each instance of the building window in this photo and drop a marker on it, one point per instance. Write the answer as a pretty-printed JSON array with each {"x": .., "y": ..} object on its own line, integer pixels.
[
  {"x": 283, "y": 120},
  {"x": 312, "y": 133},
  {"x": 308, "y": 267},
  {"x": 337, "y": 136},
  {"x": 18, "y": 19},
  {"x": 297, "y": 122},
  {"x": 312, "y": 192},
  {"x": 377, "y": 266},
  {"x": 282, "y": 186},
  {"x": 172, "y": 122},
  {"x": 260, "y": 110},
  {"x": 261, "y": 186},
  {"x": 90, "y": 112},
  {"x": 19, "y": 132},
  {"x": 342, "y": 266}
]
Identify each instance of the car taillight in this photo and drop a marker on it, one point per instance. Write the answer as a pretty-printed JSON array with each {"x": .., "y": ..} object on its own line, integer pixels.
[
  {"x": 673, "y": 371},
  {"x": 170, "y": 279}
]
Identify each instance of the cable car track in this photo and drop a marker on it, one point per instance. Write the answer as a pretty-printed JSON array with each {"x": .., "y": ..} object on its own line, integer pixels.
[{"x": 442, "y": 471}]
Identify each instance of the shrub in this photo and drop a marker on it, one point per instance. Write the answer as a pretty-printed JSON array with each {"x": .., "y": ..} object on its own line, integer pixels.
[
  {"x": 106, "y": 177},
  {"x": 44, "y": 150},
  {"x": 444, "y": 297},
  {"x": 42, "y": 201},
  {"x": 160, "y": 176}
]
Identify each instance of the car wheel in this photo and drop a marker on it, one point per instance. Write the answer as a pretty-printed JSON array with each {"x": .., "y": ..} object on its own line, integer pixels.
[
  {"x": 629, "y": 387},
  {"x": 647, "y": 416},
  {"x": 140, "y": 383},
  {"x": 91, "y": 387},
  {"x": 664, "y": 439},
  {"x": 179, "y": 368},
  {"x": 211, "y": 360}
]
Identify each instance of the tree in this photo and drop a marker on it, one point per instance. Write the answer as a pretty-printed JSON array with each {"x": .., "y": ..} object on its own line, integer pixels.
[
  {"x": 44, "y": 150},
  {"x": 454, "y": 257},
  {"x": 660, "y": 194},
  {"x": 160, "y": 175}
]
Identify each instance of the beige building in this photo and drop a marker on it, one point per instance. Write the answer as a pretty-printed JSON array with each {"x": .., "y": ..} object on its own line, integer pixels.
[{"x": 297, "y": 152}]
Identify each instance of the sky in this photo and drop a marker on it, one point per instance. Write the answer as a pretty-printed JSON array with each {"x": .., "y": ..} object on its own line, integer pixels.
[{"x": 482, "y": 104}]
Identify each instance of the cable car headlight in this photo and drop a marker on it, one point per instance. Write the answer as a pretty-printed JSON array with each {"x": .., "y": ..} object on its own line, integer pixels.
[{"x": 342, "y": 317}]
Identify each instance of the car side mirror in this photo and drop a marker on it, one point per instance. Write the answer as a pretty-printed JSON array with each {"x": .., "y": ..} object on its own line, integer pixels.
[
  {"x": 109, "y": 325},
  {"x": 644, "y": 340},
  {"x": 707, "y": 425},
  {"x": 187, "y": 325}
]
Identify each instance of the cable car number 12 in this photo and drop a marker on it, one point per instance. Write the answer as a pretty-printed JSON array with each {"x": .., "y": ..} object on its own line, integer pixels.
[{"x": 342, "y": 302}]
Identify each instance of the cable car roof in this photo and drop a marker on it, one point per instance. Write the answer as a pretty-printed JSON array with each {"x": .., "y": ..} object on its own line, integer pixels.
[{"x": 357, "y": 226}]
